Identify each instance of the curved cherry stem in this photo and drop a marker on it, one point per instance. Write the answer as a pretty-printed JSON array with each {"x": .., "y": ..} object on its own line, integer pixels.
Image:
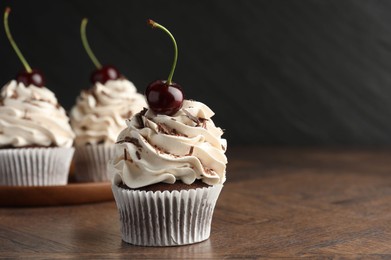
[
  {"x": 12, "y": 41},
  {"x": 154, "y": 24},
  {"x": 86, "y": 46}
]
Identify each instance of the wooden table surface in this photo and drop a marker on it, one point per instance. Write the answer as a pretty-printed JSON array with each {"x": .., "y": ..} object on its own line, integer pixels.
[{"x": 276, "y": 203}]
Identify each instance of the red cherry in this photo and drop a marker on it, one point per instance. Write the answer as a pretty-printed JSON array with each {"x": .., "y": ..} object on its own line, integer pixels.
[
  {"x": 104, "y": 74},
  {"x": 35, "y": 77},
  {"x": 163, "y": 97}
]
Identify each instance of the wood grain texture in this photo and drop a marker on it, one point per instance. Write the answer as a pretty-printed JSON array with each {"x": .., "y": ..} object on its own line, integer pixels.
[
  {"x": 277, "y": 203},
  {"x": 275, "y": 72}
]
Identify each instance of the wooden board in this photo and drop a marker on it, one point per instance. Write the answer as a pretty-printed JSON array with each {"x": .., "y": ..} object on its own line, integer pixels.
[{"x": 71, "y": 194}]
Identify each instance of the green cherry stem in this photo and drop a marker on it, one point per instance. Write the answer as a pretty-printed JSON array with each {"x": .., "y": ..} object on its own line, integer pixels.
[
  {"x": 154, "y": 24},
  {"x": 86, "y": 46},
  {"x": 13, "y": 44}
]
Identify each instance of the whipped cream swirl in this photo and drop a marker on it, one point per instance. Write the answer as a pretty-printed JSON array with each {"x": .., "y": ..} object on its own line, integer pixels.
[
  {"x": 100, "y": 112},
  {"x": 31, "y": 116},
  {"x": 159, "y": 148}
]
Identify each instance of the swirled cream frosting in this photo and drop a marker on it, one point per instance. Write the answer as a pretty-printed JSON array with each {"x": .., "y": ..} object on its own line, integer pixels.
[
  {"x": 100, "y": 112},
  {"x": 31, "y": 116},
  {"x": 159, "y": 148}
]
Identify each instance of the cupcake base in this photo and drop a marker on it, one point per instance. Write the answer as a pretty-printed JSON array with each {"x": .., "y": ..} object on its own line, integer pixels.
[
  {"x": 91, "y": 162},
  {"x": 35, "y": 166},
  {"x": 166, "y": 218}
]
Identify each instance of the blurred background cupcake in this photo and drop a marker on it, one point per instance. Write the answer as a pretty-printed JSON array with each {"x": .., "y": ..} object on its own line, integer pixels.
[
  {"x": 35, "y": 136},
  {"x": 99, "y": 116}
]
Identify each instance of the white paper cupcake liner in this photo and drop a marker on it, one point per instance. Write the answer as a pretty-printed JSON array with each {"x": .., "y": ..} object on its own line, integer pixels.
[
  {"x": 91, "y": 162},
  {"x": 166, "y": 218},
  {"x": 35, "y": 166}
]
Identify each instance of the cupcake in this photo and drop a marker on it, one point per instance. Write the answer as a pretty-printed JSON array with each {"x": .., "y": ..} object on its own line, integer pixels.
[
  {"x": 97, "y": 119},
  {"x": 168, "y": 169},
  {"x": 99, "y": 116},
  {"x": 35, "y": 136},
  {"x": 167, "y": 174}
]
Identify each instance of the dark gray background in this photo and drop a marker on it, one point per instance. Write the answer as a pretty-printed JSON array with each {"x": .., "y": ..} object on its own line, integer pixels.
[{"x": 275, "y": 72}]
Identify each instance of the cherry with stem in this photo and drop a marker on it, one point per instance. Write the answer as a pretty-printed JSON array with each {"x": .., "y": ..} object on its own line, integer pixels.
[
  {"x": 165, "y": 96},
  {"x": 28, "y": 76},
  {"x": 102, "y": 73}
]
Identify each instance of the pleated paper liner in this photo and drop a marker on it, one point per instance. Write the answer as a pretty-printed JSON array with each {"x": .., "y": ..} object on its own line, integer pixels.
[
  {"x": 168, "y": 218},
  {"x": 91, "y": 162},
  {"x": 35, "y": 166}
]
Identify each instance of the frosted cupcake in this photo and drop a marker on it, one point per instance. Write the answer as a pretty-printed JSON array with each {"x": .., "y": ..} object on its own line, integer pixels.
[
  {"x": 99, "y": 116},
  {"x": 35, "y": 136},
  {"x": 168, "y": 170},
  {"x": 97, "y": 119}
]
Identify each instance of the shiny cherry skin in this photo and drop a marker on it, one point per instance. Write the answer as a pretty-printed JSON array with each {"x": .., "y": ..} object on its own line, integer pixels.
[
  {"x": 164, "y": 98},
  {"x": 104, "y": 74},
  {"x": 35, "y": 77}
]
